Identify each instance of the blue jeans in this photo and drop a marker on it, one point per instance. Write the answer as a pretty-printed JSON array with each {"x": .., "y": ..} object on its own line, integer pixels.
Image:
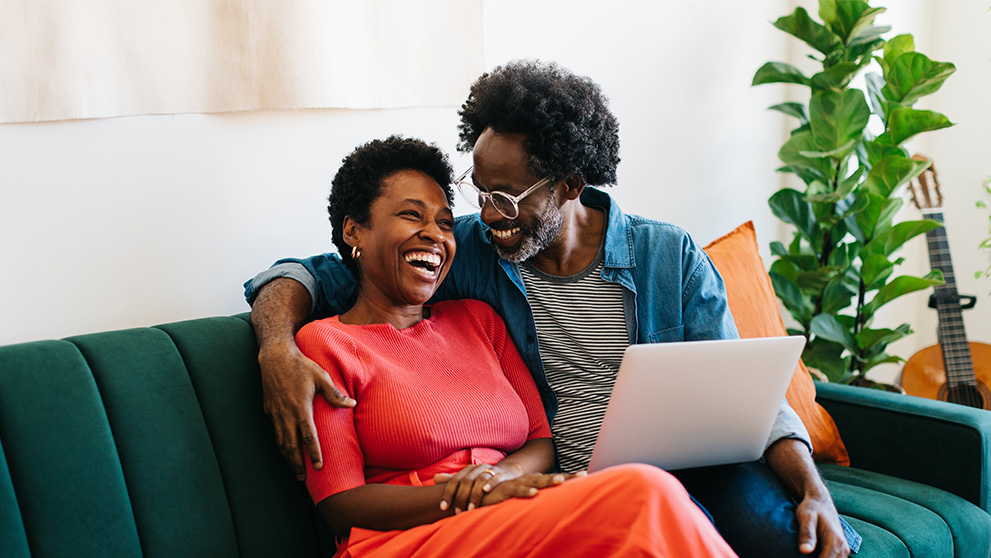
[{"x": 751, "y": 508}]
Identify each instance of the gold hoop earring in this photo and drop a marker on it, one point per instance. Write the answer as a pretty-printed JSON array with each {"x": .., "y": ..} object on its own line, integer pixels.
[{"x": 355, "y": 252}]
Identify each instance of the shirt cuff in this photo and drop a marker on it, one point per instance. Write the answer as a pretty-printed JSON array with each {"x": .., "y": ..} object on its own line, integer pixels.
[
  {"x": 788, "y": 425},
  {"x": 289, "y": 270}
]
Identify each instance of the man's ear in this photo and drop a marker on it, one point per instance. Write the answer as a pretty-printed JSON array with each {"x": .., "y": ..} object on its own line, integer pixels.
[
  {"x": 349, "y": 230},
  {"x": 574, "y": 185}
]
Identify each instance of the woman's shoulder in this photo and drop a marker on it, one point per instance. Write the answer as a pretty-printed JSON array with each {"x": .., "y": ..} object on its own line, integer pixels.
[{"x": 322, "y": 330}]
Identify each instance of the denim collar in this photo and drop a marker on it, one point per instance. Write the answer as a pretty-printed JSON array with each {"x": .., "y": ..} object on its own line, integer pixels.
[{"x": 619, "y": 240}]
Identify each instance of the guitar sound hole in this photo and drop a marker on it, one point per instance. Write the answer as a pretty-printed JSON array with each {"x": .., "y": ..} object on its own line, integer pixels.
[{"x": 972, "y": 396}]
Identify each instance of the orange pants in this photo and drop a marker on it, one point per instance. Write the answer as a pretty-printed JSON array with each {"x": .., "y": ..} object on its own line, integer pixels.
[{"x": 629, "y": 511}]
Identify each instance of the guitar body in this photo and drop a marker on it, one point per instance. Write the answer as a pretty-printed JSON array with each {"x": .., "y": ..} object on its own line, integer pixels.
[{"x": 925, "y": 376}]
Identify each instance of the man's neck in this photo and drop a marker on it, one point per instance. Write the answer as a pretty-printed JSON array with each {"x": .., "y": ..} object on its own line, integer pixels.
[{"x": 578, "y": 244}]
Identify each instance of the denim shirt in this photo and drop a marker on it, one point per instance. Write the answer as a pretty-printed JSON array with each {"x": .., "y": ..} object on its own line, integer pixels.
[{"x": 654, "y": 262}]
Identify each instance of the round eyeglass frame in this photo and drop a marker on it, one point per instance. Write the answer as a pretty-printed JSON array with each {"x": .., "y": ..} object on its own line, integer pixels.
[{"x": 481, "y": 197}]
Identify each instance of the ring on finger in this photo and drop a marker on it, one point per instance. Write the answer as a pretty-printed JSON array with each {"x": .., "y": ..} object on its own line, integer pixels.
[{"x": 490, "y": 472}]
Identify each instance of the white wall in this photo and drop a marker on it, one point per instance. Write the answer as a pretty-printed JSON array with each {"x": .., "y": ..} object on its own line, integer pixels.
[{"x": 134, "y": 221}]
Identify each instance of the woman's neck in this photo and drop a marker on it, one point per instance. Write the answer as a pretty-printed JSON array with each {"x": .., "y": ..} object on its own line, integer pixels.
[{"x": 366, "y": 311}]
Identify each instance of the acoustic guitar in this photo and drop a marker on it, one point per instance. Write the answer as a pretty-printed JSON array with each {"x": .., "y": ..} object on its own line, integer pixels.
[{"x": 953, "y": 370}]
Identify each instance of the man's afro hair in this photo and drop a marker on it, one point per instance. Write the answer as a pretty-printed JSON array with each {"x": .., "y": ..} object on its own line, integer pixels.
[{"x": 564, "y": 118}]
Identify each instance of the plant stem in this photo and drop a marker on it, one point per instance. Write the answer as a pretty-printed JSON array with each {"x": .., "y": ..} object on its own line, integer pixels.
[{"x": 856, "y": 362}]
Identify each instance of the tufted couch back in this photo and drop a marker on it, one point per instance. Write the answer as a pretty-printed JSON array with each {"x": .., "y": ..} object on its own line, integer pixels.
[{"x": 146, "y": 442}]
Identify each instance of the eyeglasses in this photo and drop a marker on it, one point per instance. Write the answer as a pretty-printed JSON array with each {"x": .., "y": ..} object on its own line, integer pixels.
[{"x": 507, "y": 205}]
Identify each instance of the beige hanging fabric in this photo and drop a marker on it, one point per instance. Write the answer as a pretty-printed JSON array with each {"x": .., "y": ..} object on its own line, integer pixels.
[{"x": 73, "y": 59}]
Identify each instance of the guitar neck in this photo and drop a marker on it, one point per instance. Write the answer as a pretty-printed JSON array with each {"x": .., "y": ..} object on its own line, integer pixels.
[{"x": 952, "y": 336}]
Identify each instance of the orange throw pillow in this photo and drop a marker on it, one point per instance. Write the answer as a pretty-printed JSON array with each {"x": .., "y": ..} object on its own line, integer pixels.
[{"x": 755, "y": 308}]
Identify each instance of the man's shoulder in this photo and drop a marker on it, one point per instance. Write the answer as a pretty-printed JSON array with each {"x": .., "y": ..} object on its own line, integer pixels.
[{"x": 657, "y": 233}]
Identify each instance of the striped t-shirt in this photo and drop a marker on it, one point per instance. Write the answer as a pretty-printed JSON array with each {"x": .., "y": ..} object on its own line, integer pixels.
[{"x": 581, "y": 333}]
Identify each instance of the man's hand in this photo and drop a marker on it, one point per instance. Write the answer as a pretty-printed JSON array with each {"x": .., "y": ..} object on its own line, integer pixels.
[
  {"x": 819, "y": 527},
  {"x": 818, "y": 522},
  {"x": 290, "y": 381}
]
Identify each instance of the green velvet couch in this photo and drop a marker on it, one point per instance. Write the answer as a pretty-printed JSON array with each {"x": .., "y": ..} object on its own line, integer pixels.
[{"x": 152, "y": 442}]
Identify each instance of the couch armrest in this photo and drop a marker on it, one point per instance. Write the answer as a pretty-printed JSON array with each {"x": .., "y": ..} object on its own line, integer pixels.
[{"x": 931, "y": 442}]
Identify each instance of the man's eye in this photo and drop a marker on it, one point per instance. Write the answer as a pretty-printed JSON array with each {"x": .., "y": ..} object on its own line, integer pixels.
[{"x": 410, "y": 213}]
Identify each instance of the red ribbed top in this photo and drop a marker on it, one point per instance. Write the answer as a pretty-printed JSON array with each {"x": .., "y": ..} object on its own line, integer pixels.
[{"x": 452, "y": 382}]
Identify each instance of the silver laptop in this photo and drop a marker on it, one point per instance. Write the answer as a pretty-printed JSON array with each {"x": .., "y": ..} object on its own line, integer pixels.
[{"x": 697, "y": 403}]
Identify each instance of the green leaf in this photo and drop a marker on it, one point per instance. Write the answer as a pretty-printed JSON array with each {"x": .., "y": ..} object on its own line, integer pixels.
[
  {"x": 847, "y": 18},
  {"x": 891, "y": 172},
  {"x": 797, "y": 110},
  {"x": 843, "y": 255},
  {"x": 827, "y": 357},
  {"x": 838, "y": 153},
  {"x": 790, "y": 206},
  {"x": 809, "y": 169},
  {"x": 861, "y": 224},
  {"x": 883, "y": 358},
  {"x": 872, "y": 342},
  {"x": 900, "y": 286},
  {"x": 875, "y": 270},
  {"x": 838, "y": 118},
  {"x": 895, "y": 47},
  {"x": 779, "y": 72},
  {"x": 829, "y": 327},
  {"x": 836, "y": 77},
  {"x": 837, "y": 296},
  {"x": 905, "y": 122},
  {"x": 877, "y": 151},
  {"x": 892, "y": 239},
  {"x": 818, "y": 279},
  {"x": 813, "y": 33},
  {"x": 797, "y": 304},
  {"x": 868, "y": 36},
  {"x": 913, "y": 75},
  {"x": 875, "y": 82},
  {"x": 843, "y": 191}
]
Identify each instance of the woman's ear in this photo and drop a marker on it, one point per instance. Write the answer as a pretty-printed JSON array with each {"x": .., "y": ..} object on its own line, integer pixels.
[{"x": 349, "y": 230}]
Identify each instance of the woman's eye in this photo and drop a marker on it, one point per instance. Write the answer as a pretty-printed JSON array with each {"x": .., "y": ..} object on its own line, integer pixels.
[
  {"x": 446, "y": 224},
  {"x": 410, "y": 213}
]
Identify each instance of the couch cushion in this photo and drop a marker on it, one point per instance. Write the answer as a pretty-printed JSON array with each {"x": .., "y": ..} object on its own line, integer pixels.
[
  {"x": 273, "y": 514},
  {"x": 755, "y": 309},
  {"x": 60, "y": 459},
  {"x": 165, "y": 451},
  {"x": 969, "y": 526},
  {"x": 878, "y": 542}
]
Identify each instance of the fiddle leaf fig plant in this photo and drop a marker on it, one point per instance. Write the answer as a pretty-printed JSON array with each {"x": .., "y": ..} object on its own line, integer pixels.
[{"x": 838, "y": 270}]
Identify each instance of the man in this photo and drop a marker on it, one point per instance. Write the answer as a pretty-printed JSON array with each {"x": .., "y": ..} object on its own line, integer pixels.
[{"x": 576, "y": 281}]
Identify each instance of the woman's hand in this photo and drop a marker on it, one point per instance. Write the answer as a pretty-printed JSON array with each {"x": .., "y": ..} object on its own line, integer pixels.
[
  {"x": 464, "y": 490},
  {"x": 485, "y": 485},
  {"x": 526, "y": 486}
]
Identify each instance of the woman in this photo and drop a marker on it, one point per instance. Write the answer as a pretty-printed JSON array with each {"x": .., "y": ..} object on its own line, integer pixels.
[{"x": 446, "y": 451}]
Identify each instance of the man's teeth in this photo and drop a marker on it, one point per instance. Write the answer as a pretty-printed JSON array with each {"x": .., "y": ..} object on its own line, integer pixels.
[{"x": 504, "y": 234}]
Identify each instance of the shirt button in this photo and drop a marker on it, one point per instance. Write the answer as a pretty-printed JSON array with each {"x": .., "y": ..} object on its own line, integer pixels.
[{"x": 529, "y": 339}]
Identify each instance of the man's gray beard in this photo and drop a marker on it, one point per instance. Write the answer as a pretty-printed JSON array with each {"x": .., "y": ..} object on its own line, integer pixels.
[{"x": 548, "y": 226}]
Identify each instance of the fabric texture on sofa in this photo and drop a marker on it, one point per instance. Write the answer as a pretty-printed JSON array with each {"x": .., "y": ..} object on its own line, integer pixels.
[{"x": 146, "y": 442}]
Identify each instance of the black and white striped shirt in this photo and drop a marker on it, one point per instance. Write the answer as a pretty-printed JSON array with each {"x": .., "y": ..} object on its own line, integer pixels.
[{"x": 581, "y": 332}]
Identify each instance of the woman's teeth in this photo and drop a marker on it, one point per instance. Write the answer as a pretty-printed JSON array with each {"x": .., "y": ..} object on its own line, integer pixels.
[
  {"x": 424, "y": 262},
  {"x": 504, "y": 234}
]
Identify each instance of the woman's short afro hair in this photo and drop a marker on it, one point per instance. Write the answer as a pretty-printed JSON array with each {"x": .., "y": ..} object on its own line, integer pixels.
[
  {"x": 565, "y": 119},
  {"x": 359, "y": 181}
]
